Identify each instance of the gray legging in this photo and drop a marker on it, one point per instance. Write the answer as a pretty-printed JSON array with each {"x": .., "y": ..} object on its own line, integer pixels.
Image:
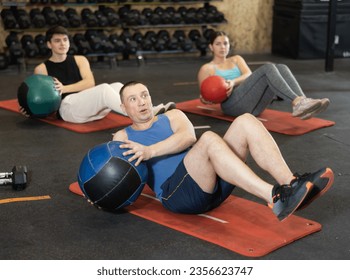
[{"x": 260, "y": 88}]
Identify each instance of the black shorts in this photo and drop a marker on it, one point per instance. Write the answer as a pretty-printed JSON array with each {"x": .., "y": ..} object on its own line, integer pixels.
[{"x": 181, "y": 194}]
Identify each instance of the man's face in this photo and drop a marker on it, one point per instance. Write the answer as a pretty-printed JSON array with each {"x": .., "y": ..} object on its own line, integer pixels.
[
  {"x": 137, "y": 103},
  {"x": 59, "y": 44}
]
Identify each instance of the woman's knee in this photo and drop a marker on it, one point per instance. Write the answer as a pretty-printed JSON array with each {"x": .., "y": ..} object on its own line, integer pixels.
[
  {"x": 282, "y": 67},
  {"x": 268, "y": 67}
]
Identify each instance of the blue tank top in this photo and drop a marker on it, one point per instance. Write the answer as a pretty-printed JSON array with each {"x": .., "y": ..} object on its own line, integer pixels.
[
  {"x": 159, "y": 168},
  {"x": 228, "y": 74}
]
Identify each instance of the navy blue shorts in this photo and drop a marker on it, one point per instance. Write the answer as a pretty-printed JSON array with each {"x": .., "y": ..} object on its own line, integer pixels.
[{"x": 181, "y": 194}]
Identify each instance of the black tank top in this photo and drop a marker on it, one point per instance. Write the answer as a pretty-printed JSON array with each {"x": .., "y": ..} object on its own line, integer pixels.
[{"x": 67, "y": 72}]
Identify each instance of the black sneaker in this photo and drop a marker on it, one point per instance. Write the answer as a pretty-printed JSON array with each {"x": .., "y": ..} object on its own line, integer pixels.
[
  {"x": 322, "y": 180},
  {"x": 287, "y": 198}
]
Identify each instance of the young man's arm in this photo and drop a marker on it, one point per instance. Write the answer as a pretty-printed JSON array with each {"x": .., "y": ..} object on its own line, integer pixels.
[{"x": 88, "y": 80}]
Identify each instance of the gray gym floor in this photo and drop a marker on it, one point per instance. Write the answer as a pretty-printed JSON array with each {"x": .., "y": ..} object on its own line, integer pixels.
[{"x": 66, "y": 227}]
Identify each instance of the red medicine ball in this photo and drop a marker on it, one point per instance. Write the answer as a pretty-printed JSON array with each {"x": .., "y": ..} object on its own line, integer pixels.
[{"x": 214, "y": 89}]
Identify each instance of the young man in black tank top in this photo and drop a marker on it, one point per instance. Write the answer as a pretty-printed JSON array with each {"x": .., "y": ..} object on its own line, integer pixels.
[{"x": 82, "y": 100}]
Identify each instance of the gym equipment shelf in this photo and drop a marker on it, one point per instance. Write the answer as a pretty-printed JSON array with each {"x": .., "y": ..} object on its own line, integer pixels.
[{"x": 137, "y": 23}]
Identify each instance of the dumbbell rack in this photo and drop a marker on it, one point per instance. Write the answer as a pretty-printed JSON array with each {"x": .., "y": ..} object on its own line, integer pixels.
[{"x": 126, "y": 25}]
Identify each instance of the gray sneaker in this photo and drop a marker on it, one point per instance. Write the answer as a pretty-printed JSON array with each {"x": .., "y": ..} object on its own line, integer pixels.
[
  {"x": 305, "y": 105},
  {"x": 324, "y": 104}
]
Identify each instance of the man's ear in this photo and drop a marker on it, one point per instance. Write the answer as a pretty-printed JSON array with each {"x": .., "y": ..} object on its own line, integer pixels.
[{"x": 122, "y": 106}]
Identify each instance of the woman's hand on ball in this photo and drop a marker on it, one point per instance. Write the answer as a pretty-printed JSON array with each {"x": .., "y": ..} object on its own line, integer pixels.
[
  {"x": 138, "y": 151},
  {"x": 230, "y": 86}
]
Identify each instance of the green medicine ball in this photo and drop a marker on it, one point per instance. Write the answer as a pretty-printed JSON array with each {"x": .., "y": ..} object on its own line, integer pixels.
[{"x": 38, "y": 96}]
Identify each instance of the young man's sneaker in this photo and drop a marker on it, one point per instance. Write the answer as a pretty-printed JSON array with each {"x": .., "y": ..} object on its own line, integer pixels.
[
  {"x": 322, "y": 180},
  {"x": 159, "y": 109},
  {"x": 324, "y": 104},
  {"x": 169, "y": 106},
  {"x": 303, "y": 105},
  {"x": 287, "y": 198}
]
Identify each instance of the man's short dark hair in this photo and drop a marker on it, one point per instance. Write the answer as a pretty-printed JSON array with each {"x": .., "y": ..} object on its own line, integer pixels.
[
  {"x": 128, "y": 84},
  {"x": 55, "y": 30}
]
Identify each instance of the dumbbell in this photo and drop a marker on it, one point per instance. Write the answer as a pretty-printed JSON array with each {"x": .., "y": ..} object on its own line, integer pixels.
[
  {"x": 15, "y": 47},
  {"x": 207, "y": 33},
  {"x": 107, "y": 45},
  {"x": 119, "y": 45},
  {"x": 89, "y": 18},
  {"x": 185, "y": 43},
  {"x": 194, "y": 35},
  {"x": 133, "y": 17},
  {"x": 123, "y": 11},
  {"x": 137, "y": 37},
  {"x": 17, "y": 178},
  {"x": 61, "y": 18},
  {"x": 41, "y": 44},
  {"x": 175, "y": 17},
  {"x": 37, "y": 18},
  {"x": 190, "y": 16},
  {"x": 82, "y": 44},
  {"x": 200, "y": 42},
  {"x": 163, "y": 15},
  {"x": 29, "y": 45},
  {"x": 112, "y": 16},
  {"x": 73, "y": 17},
  {"x": 202, "y": 16},
  {"x": 22, "y": 18},
  {"x": 213, "y": 15},
  {"x": 94, "y": 40},
  {"x": 151, "y": 17},
  {"x": 131, "y": 45},
  {"x": 8, "y": 19},
  {"x": 101, "y": 18},
  {"x": 50, "y": 16}
]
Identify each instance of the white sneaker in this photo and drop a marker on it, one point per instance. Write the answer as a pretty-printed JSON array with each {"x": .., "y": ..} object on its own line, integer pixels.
[
  {"x": 169, "y": 106},
  {"x": 159, "y": 109},
  {"x": 305, "y": 105},
  {"x": 324, "y": 104}
]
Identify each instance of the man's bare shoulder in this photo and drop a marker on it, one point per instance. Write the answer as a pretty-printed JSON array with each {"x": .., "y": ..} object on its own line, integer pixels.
[
  {"x": 40, "y": 69},
  {"x": 120, "y": 135},
  {"x": 80, "y": 58},
  {"x": 175, "y": 113}
]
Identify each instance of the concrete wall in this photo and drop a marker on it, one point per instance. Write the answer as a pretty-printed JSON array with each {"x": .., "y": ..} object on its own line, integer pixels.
[{"x": 249, "y": 24}]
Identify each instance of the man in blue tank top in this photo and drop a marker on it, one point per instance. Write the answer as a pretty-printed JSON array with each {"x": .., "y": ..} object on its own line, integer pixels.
[{"x": 194, "y": 176}]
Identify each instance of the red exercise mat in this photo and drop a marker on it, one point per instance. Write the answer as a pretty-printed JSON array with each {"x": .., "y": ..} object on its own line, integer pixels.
[
  {"x": 112, "y": 120},
  {"x": 240, "y": 225},
  {"x": 273, "y": 120}
]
